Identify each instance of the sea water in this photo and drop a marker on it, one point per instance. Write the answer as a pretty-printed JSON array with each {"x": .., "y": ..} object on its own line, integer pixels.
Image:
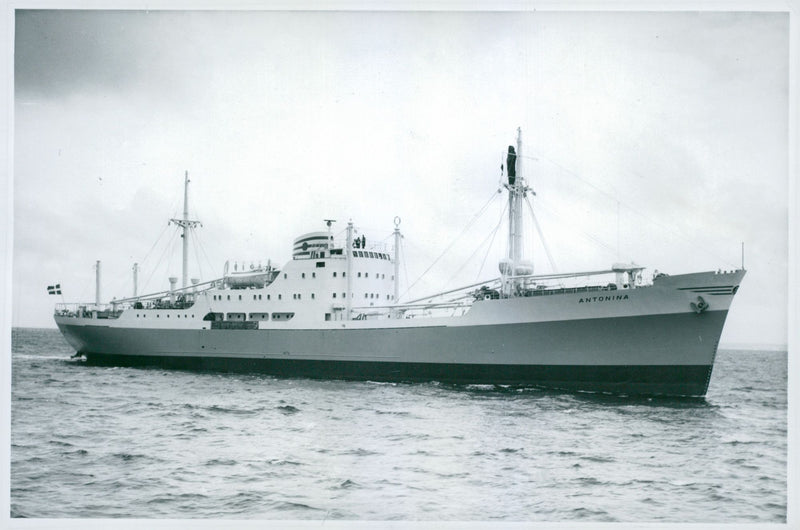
[{"x": 99, "y": 442}]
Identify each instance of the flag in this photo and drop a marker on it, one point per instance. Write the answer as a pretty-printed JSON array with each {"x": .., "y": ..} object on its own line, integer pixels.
[{"x": 54, "y": 289}]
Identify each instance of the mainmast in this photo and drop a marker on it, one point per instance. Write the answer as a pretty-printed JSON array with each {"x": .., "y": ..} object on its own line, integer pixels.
[
  {"x": 516, "y": 185},
  {"x": 185, "y": 224},
  {"x": 513, "y": 264}
]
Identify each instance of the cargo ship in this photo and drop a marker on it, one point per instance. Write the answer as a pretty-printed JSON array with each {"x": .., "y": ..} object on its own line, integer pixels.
[{"x": 334, "y": 311}]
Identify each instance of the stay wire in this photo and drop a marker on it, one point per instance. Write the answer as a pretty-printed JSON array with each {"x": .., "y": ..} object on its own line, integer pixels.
[
  {"x": 194, "y": 239},
  {"x": 663, "y": 226},
  {"x": 158, "y": 263},
  {"x": 599, "y": 242},
  {"x": 494, "y": 234},
  {"x": 453, "y": 242},
  {"x": 144, "y": 260},
  {"x": 541, "y": 237}
]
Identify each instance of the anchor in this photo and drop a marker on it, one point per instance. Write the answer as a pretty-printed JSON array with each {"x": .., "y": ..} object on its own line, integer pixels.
[{"x": 699, "y": 306}]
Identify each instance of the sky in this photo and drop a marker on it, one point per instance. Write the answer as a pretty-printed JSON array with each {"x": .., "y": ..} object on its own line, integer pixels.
[{"x": 654, "y": 137}]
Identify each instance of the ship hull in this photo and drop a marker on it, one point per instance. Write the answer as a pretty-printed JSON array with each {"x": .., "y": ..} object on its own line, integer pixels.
[
  {"x": 665, "y": 354},
  {"x": 683, "y": 380}
]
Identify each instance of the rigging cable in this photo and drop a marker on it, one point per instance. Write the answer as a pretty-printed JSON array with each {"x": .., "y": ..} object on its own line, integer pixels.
[
  {"x": 144, "y": 260},
  {"x": 494, "y": 234},
  {"x": 585, "y": 234},
  {"x": 195, "y": 241},
  {"x": 663, "y": 226},
  {"x": 167, "y": 248},
  {"x": 453, "y": 242},
  {"x": 541, "y": 237},
  {"x": 491, "y": 235}
]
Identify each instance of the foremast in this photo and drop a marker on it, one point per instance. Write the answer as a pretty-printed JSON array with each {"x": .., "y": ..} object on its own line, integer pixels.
[{"x": 186, "y": 224}]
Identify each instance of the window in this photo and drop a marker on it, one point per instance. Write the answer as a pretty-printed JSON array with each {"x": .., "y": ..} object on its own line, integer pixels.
[
  {"x": 303, "y": 275},
  {"x": 366, "y": 295},
  {"x": 344, "y": 295},
  {"x": 344, "y": 275},
  {"x": 313, "y": 274},
  {"x": 334, "y": 295},
  {"x": 321, "y": 264},
  {"x": 229, "y": 297},
  {"x": 334, "y": 274},
  {"x": 366, "y": 275},
  {"x": 240, "y": 297},
  {"x": 284, "y": 276},
  {"x": 280, "y": 297},
  {"x": 269, "y": 297},
  {"x": 254, "y": 297},
  {"x": 312, "y": 296},
  {"x": 359, "y": 275},
  {"x": 259, "y": 297}
]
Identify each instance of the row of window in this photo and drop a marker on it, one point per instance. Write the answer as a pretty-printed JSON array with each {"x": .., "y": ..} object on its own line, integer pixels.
[
  {"x": 158, "y": 315},
  {"x": 241, "y": 317},
  {"x": 344, "y": 275},
  {"x": 299, "y": 296},
  {"x": 368, "y": 254}
]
